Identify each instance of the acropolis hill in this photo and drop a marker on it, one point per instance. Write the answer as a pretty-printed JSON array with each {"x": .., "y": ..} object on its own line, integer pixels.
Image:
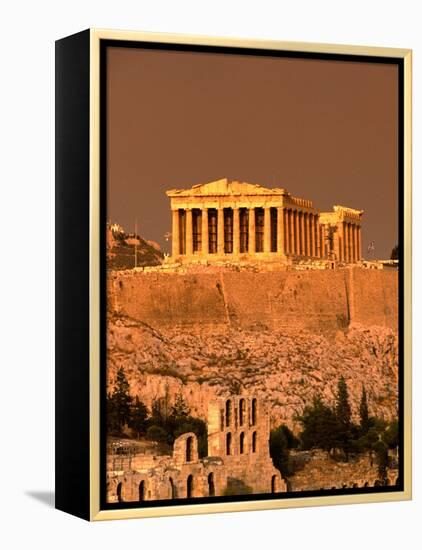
[
  {"x": 243, "y": 316},
  {"x": 283, "y": 336}
]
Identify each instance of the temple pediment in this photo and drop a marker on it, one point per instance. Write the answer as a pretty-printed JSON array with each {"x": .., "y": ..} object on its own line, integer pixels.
[{"x": 224, "y": 187}]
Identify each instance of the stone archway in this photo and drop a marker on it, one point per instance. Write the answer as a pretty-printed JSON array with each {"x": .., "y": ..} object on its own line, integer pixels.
[{"x": 141, "y": 491}]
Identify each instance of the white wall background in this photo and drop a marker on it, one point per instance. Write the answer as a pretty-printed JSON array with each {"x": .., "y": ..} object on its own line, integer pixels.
[{"x": 28, "y": 31}]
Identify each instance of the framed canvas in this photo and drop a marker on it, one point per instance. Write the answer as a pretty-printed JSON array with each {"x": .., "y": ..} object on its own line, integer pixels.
[{"x": 233, "y": 274}]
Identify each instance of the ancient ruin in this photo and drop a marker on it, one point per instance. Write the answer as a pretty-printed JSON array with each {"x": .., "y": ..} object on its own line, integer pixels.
[
  {"x": 234, "y": 220},
  {"x": 238, "y": 462}
]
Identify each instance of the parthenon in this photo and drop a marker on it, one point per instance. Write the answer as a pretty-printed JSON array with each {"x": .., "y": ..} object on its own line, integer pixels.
[{"x": 237, "y": 220}]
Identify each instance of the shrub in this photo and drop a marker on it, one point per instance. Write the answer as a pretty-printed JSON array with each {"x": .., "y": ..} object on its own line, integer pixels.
[{"x": 156, "y": 433}]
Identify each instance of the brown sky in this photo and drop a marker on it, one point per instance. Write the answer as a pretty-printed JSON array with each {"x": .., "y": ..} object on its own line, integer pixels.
[{"x": 323, "y": 130}]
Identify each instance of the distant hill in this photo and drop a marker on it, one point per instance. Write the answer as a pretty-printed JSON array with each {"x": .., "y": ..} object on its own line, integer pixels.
[{"x": 121, "y": 250}]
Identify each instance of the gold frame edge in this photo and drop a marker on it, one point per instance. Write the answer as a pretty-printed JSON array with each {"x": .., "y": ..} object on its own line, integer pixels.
[{"x": 96, "y": 514}]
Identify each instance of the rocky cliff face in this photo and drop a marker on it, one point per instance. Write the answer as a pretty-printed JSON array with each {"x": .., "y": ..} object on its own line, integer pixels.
[{"x": 285, "y": 367}]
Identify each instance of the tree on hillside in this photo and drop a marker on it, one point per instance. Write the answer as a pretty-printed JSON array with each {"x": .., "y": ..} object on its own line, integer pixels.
[
  {"x": 111, "y": 416},
  {"x": 395, "y": 253},
  {"x": 319, "y": 426},
  {"x": 120, "y": 401},
  {"x": 364, "y": 413},
  {"x": 157, "y": 416},
  {"x": 381, "y": 451},
  {"x": 180, "y": 408},
  {"x": 138, "y": 416},
  {"x": 391, "y": 435},
  {"x": 292, "y": 441},
  {"x": 279, "y": 450},
  {"x": 343, "y": 415}
]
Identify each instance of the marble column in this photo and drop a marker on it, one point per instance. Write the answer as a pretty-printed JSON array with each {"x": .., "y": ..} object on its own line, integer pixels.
[
  {"x": 286, "y": 230},
  {"x": 267, "y": 229},
  {"x": 316, "y": 243},
  {"x": 189, "y": 234},
  {"x": 297, "y": 233},
  {"x": 349, "y": 244},
  {"x": 359, "y": 243},
  {"x": 302, "y": 234},
  {"x": 220, "y": 231},
  {"x": 236, "y": 231},
  {"x": 205, "y": 236},
  {"x": 344, "y": 244},
  {"x": 336, "y": 244},
  {"x": 280, "y": 231},
  {"x": 251, "y": 228},
  {"x": 311, "y": 235},
  {"x": 292, "y": 232},
  {"x": 308, "y": 235},
  {"x": 356, "y": 244},
  {"x": 175, "y": 245},
  {"x": 319, "y": 240},
  {"x": 341, "y": 241}
]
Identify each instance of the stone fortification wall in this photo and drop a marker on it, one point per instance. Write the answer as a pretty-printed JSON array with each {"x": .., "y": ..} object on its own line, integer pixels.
[{"x": 319, "y": 301}]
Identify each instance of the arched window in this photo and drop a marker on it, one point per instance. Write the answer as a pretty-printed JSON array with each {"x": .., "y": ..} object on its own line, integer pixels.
[
  {"x": 211, "y": 486},
  {"x": 189, "y": 446},
  {"x": 119, "y": 492},
  {"x": 274, "y": 484},
  {"x": 142, "y": 490},
  {"x": 229, "y": 443},
  {"x": 241, "y": 412},
  {"x": 254, "y": 411},
  {"x": 189, "y": 486},
  {"x": 172, "y": 488},
  {"x": 228, "y": 412},
  {"x": 242, "y": 443},
  {"x": 254, "y": 442}
]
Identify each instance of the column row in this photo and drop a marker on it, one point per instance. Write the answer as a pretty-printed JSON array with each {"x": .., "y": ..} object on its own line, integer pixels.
[
  {"x": 227, "y": 231},
  {"x": 350, "y": 245},
  {"x": 303, "y": 236}
]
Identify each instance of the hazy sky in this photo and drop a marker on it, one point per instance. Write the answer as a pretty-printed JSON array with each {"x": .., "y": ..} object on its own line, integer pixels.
[{"x": 324, "y": 130}]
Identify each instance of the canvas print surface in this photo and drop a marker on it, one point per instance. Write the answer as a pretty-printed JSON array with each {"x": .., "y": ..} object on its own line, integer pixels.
[{"x": 252, "y": 276}]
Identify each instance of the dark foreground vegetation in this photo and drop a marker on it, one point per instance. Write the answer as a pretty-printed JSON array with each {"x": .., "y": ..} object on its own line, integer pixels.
[{"x": 331, "y": 429}]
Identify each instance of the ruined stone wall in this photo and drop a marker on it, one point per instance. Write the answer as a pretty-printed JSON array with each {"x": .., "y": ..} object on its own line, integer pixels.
[
  {"x": 181, "y": 475},
  {"x": 319, "y": 301},
  {"x": 238, "y": 433}
]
